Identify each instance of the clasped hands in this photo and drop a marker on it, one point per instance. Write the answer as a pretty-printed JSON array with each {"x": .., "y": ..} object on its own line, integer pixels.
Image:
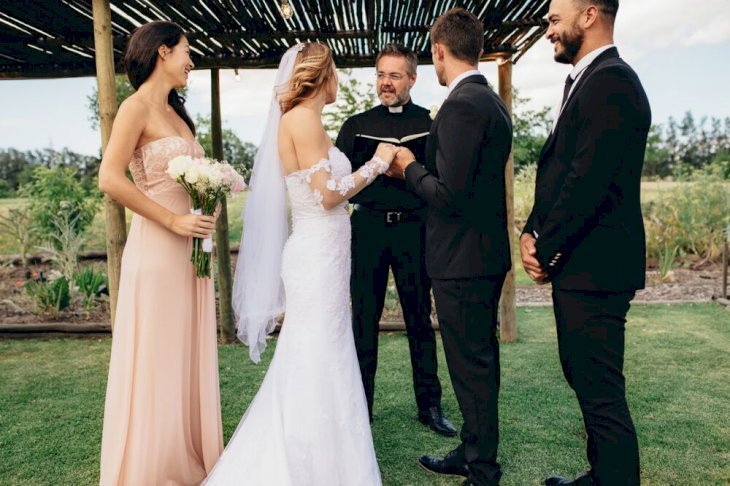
[
  {"x": 399, "y": 157},
  {"x": 402, "y": 157},
  {"x": 529, "y": 260}
]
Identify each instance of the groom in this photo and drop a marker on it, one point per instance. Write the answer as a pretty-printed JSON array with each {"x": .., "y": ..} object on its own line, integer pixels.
[
  {"x": 586, "y": 234},
  {"x": 467, "y": 247}
]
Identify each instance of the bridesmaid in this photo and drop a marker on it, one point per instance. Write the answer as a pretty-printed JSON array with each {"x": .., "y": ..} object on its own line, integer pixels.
[{"x": 162, "y": 421}]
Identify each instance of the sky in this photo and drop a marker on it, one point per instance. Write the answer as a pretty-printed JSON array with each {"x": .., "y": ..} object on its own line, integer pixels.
[{"x": 680, "y": 50}]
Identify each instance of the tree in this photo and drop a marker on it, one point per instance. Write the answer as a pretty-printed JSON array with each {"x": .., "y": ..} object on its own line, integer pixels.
[
  {"x": 58, "y": 192},
  {"x": 239, "y": 154},
  {"x": 658, "y": 160},
  {"x": 14, "y": 169},
  {"x": 680, "y": 148},
  {"x": 19, "y": 227},
  {"x": 124, "y": 90},
  {"x": 530, "y": 130},
  {"x": 353, "y": 97}
]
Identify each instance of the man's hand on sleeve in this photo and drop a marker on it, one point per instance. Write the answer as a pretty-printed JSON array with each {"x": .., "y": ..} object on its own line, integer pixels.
[{"x": 403, "y": 158}]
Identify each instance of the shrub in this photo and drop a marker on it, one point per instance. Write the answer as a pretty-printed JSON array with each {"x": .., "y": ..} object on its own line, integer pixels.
[
  {"x": 58, "y": 193},
  {"x": 64, "y": 244},
  {"x": 524, "y": 193},
  {"x": 690, "y": 218},
  {"x": 50, "y": 296},
  {"x": 18, "y": 226}
]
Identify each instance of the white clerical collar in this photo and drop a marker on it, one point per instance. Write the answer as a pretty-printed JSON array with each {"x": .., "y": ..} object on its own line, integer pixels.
[
  {"x": 454, "y": 82},
  {"x": 396, "y": 109},
  {"x": 587, "y": 60}
]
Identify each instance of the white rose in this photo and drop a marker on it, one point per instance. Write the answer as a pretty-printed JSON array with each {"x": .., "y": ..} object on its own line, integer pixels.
[
  {"x": 215, "y": 175},
  {"x": 192, "y": 174},
  {"x": 176, "y": 167}
]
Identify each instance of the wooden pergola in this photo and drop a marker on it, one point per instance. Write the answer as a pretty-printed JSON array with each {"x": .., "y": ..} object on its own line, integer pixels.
[{"x": 67, "y": 38}]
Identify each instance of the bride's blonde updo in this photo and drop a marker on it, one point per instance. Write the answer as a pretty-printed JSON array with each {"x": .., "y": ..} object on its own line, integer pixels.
[{"x": 314, "y": 68}]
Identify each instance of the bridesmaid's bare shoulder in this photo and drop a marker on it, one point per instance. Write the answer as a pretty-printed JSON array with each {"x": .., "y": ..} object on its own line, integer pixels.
[{"x": 132, "y": 111}]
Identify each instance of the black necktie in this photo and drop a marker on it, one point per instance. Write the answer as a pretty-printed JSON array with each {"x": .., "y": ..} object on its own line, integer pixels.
[{"x": 566, "y": 91}]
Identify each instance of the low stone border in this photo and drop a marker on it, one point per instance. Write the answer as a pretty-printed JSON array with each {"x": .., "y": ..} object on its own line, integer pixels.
[{"x": 725, "y": 302}]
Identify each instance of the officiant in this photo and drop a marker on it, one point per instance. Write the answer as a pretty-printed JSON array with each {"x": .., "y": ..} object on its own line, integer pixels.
[{"x": 388, "y": 232}]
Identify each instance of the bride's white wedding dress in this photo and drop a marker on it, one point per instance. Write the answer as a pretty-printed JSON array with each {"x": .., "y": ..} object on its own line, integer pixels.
[{"x": 308, "y": 424}]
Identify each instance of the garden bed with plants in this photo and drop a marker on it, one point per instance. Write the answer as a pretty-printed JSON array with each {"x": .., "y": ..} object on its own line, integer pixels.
[
  {"x": 37, "y": 295},
  {"x": 58, "y": 219}
]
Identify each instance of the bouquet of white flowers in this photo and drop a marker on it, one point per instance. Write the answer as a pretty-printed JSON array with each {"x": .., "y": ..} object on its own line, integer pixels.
[{"x": 207, "y": 181}]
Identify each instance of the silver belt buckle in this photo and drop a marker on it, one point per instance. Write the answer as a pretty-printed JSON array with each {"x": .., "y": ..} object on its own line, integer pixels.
[{"x": 393, "y": 217}]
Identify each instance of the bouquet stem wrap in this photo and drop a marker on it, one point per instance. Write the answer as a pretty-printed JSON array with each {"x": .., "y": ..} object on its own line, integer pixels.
[{"x": 202, "y": 248}]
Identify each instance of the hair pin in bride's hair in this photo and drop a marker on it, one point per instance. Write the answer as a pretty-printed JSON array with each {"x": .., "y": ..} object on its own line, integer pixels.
[{"x": 299, "y": 47}]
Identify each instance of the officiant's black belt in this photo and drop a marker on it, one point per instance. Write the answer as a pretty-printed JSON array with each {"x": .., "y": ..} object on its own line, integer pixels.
[{"x": 393, "y": 217}]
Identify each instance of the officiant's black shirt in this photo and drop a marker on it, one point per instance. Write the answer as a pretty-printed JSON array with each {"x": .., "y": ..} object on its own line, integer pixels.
[{"x": 385, "y": 193}]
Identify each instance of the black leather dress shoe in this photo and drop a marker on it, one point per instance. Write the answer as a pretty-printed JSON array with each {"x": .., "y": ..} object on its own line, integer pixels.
[
  {"x": 453, "y": 463},
  {"x": 582, "y": 479},
  {"x": 434, "y": 418}
]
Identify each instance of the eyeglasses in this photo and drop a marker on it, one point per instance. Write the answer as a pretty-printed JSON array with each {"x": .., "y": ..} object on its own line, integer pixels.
[{"x": 391, "y": 76}]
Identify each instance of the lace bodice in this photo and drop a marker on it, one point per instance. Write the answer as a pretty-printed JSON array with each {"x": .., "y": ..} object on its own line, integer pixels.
[
  {"x": 304, "y": 201},
  {"x": 306, "y": 196},
  {"x": 149, "y": 162}
]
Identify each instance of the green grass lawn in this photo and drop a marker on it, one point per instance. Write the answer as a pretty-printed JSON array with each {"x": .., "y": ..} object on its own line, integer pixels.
[{"x": 677, "y": 367}]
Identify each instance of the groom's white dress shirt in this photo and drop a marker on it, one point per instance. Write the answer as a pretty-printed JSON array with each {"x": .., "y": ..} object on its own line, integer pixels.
[{"x": 465, "y": 74}]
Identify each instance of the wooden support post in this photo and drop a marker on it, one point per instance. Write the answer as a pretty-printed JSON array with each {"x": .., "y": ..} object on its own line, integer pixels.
[
  {"x": 725, "y": 262},
  {"x": 223, "y": 250},
  {"x": 508, "y": 302},
  {"x": 116, "y": 222}
]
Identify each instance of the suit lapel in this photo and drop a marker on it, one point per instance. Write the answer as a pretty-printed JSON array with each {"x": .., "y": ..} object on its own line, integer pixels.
[{"x": 606, "y": 55}]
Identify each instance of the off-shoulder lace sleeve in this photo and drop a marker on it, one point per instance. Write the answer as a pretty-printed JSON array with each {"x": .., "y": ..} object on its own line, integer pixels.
[{"x": 330, "y": 191}]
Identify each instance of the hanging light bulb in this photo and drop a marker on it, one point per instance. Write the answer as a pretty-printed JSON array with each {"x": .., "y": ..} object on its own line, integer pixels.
[
  {"x": 286, "y": 10},
  {"x": 236, "y": 76}
]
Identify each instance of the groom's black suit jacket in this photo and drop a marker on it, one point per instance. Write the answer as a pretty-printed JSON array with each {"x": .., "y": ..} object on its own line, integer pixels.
[
  {"x": 462, "y": 181},
  {"x": 587, "y": 212}
]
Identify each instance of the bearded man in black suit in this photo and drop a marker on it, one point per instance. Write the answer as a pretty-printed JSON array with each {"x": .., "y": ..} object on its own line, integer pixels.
[
  {"x": 467, "y": 246},
  {"x": 585, "y": 233}
]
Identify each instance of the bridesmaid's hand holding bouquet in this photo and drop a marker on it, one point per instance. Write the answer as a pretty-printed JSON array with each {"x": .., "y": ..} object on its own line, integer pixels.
[{"x": 207, "y": 181}]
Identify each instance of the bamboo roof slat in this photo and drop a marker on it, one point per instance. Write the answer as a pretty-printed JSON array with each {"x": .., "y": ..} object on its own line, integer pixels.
[{"x": 45, "y": 39}]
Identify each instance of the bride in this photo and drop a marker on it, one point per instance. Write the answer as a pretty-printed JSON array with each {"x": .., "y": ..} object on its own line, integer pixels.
[{"x": 308, "y": 424}]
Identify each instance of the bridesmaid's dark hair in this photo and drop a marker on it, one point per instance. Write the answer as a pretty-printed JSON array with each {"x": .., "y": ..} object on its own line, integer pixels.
[{"x": 140, "y": 59}]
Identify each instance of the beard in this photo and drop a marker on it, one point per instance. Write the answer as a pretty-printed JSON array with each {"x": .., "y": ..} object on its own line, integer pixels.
[
  {"x": 571, "y": 42},
  {"x": 399, "y": 99}
]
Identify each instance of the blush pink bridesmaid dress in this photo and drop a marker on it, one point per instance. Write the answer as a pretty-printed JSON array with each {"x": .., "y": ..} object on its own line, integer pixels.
[{"x": 162, "y": 421}]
